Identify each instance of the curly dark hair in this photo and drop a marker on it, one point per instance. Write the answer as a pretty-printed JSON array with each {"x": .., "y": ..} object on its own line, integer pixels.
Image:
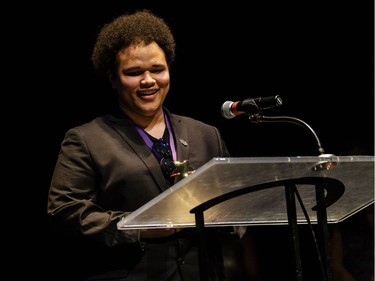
[{"x": 139, "y": 27}]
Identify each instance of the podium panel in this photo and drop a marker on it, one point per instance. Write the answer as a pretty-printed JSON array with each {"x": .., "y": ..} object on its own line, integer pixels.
[{"x": 262, "y": 207}]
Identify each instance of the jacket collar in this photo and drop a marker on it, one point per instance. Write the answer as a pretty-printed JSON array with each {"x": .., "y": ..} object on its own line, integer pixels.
[{"x": 126, "y": 129}]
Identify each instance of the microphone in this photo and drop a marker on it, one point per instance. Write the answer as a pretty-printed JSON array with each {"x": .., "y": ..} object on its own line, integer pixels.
[{"x": 249, "y": 106}]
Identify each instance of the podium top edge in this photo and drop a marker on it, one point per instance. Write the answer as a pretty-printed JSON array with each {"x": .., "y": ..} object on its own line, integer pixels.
[{"x": 296, "y": 159}]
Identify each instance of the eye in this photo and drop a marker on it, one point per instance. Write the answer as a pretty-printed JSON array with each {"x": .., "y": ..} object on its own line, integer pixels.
[
  {"x": 157, "y": 71},
  {"x": 133, "y": 73}
]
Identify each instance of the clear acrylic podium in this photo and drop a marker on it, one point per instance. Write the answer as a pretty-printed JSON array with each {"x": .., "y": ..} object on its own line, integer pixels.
[{"x": 250, "y": 191}]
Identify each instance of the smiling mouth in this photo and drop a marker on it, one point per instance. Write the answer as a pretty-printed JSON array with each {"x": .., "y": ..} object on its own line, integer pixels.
[{"x": 150, "y": 93}]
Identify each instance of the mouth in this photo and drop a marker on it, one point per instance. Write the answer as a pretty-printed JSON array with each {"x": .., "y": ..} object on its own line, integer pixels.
[{"x": 147, "y": 93}]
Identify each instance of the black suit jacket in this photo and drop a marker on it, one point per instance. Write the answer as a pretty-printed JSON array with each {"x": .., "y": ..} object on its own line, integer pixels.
[{"x": 103, "y": 172}]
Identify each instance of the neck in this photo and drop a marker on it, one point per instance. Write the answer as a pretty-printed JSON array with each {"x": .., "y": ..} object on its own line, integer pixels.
[
  {"x": 153, "y": 125},
  {"x": 156, "y": 126}
]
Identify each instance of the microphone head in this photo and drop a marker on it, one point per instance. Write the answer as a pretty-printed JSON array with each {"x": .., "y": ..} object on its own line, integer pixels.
[{"x": 226, "y": 110}]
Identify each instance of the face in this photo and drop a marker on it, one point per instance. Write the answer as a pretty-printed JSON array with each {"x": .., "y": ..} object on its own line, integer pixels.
[{"x": 141, "y": 80}]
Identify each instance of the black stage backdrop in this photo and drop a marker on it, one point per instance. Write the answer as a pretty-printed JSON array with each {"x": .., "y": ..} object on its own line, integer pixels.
[{"x": 318, "y": 56}]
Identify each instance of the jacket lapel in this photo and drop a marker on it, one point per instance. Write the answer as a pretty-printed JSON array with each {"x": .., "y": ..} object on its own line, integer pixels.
[
  {"x": 125, "y": 128},
  {"x": 180, "y": 137}
]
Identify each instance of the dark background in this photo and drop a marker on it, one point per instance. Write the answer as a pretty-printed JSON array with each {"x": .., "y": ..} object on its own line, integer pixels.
[{"x": 318, "y": 56}]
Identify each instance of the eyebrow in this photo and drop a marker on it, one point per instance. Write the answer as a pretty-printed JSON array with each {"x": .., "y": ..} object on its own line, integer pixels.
[{"x": 138, "y": 67}]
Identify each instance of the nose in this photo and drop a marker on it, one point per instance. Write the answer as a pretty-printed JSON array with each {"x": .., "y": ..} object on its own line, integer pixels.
[{"x": 147, "y": 79}]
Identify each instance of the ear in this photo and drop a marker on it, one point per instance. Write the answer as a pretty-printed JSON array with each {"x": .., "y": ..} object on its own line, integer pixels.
[{"x": 112, "y": 79}]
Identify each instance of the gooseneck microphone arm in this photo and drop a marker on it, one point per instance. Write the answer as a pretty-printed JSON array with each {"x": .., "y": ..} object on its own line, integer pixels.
[
  {"x": 257, "y": 118},
  {"x": 253, "y": 108}
]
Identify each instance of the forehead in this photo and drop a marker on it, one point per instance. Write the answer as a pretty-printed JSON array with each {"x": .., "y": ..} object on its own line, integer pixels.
[{"x": 141, "y": 53}]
